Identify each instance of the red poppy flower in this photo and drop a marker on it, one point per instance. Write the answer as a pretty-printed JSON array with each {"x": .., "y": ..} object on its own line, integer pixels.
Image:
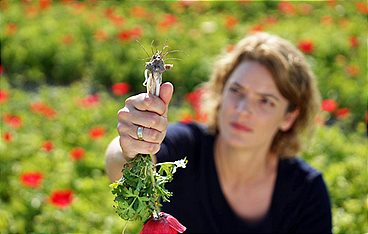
[
  {"x": 286, "y": 8},
  {"x": 168, "y": 21},
  {"x": 342, "y": 113},
  {"x": 78, "y": 7},
  {"x": 352, "y": 70},
  {"x": 31, "y": 11},
  {"x": 121, "y": 88},
  {"x": 44, "y": 4},
  {"x": 344, "y": 22},
  {"x": 329, "y": 105},
  {"x": 354, "y": 41},
  {"x": 89, "y": 101},
  {"x": 124, "y": 35},
  {"x": 130, "y": 34},
  {"x": 11, "y": 28},
  {"x": 7, "y": 136},
  {"x": 331, "y": 3},
  {"x": 67, "y": 39},
  {"x": 3, "y": 96},
  {"x": 43, "y": 109},
  {"x": 31, "y": 179},
  {"x": 1, "y": 69},
  {"x": 97, "y": 132},
  {"x": 138, "y": 12},
  {"x": 164, "y": 224},
  {"x": 326, "y": 20},
  {"x": 109, "y": 12},
  {"x": 257, "y": 28},
  {"x": 362, "y": 7},
  {"x": 194, "y": 98},
  {"x": 48, "y": 146},
  {"x": 77, "y": 153},
  {"x": 306, "y": 46},
  {"x": 231, "y": 22},
  {"x": 100, "y": 35},
  {"x": 135, "y": 32},
  {"x": 13, "y": 120},
  {"x": 117, "y": 20},
  {"x": 61, "y": 198},
  {"x": 113, "y": 17}
]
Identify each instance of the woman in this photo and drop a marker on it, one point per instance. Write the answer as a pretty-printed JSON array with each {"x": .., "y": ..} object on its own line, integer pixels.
[{"x": 242, "y": 174}]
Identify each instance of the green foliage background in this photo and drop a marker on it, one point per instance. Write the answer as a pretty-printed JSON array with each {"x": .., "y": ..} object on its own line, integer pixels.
[{"x": 59, "y": 52}]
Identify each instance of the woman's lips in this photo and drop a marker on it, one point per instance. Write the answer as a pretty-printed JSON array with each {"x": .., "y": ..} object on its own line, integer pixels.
[{"x": 241, "y": 127}]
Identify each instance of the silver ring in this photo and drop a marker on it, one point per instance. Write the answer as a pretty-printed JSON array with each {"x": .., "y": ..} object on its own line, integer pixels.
[{"x": 140, "y": 133}]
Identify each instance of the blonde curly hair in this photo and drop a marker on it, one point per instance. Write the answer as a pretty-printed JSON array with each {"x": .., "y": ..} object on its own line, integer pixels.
[{"x": 291, "y": 74}]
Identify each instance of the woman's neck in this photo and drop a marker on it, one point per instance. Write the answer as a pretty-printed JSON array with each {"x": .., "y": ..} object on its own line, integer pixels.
[{"x": 245, "y": 166}]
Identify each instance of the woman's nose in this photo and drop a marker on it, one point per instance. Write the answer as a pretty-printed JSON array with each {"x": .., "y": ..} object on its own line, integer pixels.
[{"x": 245, "y": 106}]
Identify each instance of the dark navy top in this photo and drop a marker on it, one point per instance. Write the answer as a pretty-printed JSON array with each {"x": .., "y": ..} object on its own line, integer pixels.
[{"x": 300, "y": 201}]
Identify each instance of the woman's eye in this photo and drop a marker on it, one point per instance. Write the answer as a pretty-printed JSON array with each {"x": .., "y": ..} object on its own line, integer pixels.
[
  {"x": 233, "y": 90},
  {"x": 267, "y": 102}
]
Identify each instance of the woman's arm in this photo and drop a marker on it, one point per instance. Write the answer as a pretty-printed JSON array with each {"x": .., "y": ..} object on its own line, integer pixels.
[{"x": 114, "y": 160}]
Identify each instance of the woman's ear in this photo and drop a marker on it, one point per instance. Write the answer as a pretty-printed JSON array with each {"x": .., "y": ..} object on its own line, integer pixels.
[{"x": 289, "y": 120}]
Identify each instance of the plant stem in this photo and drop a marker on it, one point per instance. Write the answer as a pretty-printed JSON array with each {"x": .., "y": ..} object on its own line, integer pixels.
[
  {"x": 155, "y": 196},
  {"x": 154, "y": 79}
]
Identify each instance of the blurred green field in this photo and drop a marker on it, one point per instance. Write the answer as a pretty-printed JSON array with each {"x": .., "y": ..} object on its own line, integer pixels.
[{"x": 67, "y": 67}]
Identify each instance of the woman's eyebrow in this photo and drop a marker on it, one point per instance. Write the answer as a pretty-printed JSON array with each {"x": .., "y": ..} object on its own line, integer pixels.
[
  {"x": 269, "y": 95},
  {"x": 260, "y": 94}
]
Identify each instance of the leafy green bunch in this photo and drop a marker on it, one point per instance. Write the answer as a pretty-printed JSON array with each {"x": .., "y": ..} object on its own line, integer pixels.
[{"x": 138, "y": 192}]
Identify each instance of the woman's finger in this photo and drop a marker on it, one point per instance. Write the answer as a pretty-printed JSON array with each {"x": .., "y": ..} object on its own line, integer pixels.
[
  {"x": 132, "y": 147},
  {"x": 143, "y": 118},
  {"x": 147, "y": 102},
  {"x": 148, "y": 134}
]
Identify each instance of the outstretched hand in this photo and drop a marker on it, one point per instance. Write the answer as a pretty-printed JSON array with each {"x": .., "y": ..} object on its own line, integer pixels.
[{"x": 146, "y": 111}]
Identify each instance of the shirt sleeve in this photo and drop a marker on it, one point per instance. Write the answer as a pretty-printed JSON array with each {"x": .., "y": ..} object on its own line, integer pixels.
[{"x": 316, "y": 214}]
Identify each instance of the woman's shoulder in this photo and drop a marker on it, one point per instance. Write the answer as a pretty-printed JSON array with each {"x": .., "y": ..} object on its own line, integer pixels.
[
  {"x": 298, "y": 169},
  {"x": 307, "y": 202},
  {"x": 303, "y": 183}
]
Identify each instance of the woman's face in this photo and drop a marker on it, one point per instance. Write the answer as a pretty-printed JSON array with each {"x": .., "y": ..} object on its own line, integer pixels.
[{"x": 252, "y": 110}]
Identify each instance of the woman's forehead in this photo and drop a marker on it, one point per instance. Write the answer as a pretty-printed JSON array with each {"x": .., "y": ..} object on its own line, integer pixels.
[{"x": 253, "y": 75}]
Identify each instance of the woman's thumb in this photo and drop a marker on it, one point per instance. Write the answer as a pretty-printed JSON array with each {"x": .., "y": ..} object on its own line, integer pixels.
[{"x": 166, "y": 92}]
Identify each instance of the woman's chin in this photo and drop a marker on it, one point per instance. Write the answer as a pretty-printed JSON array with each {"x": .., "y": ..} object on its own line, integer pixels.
[{"x": 236, "y": 141}]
